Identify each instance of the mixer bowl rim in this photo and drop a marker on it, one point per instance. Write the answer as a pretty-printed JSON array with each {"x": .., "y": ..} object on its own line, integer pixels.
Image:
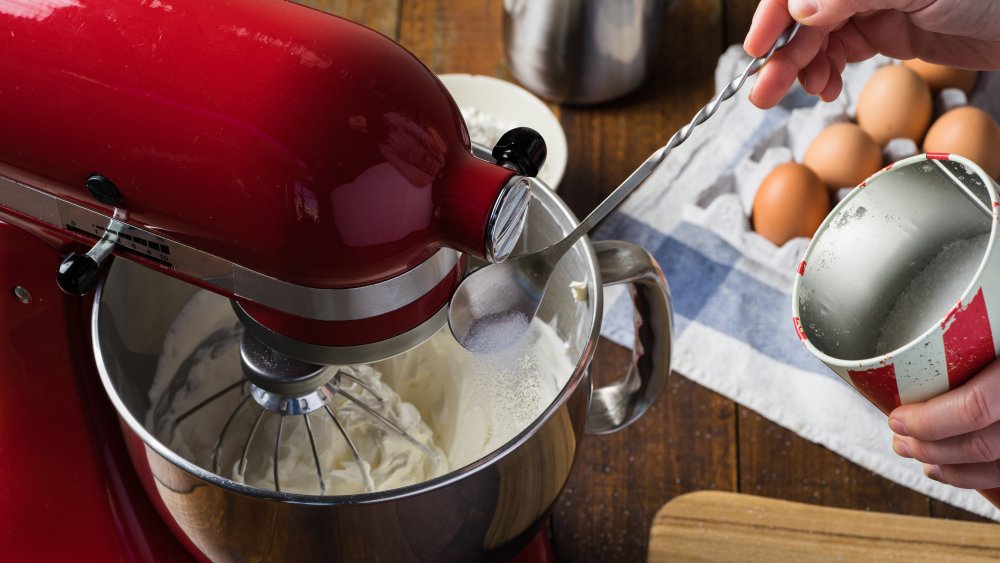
[
  {"x": 879, "y": 360},
  {"x": 556, "y": 208}
]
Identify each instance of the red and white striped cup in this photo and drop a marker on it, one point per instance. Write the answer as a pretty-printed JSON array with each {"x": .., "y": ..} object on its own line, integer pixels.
[{"x": 869, "y": 249}]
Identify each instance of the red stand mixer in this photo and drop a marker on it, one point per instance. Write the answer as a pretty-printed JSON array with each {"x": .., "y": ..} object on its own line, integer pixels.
[
  {"x": 320, "y": 181},
  {"x": 307, "y": 167}
]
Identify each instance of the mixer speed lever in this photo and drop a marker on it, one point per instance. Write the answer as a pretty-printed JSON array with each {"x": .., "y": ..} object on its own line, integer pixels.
[{"x": 77, "y": 273}]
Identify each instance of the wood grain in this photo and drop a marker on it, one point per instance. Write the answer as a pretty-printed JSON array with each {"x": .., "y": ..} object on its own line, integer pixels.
[
  {"x": 380, "y": 15},
  {"x": 455, "y": 36},
  {"x": 775, "y": 462},
  {"x": 608, "y": 141},
  {"x": 718, "y": 526},
  {"x": 685, "y": 442},
  {"x": 738, "y": 15},
  {"x": 944, "y": 510}
]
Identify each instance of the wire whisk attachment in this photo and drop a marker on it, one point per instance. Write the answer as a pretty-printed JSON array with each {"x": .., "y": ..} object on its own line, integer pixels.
[{"x": 279, "y": 400}]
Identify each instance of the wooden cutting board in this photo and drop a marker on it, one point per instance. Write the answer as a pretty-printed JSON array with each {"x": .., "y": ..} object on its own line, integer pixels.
[{"x": 717, "y": 526}]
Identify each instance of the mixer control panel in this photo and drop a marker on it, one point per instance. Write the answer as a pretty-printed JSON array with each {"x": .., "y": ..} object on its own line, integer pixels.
[{"x": 130, "y": 238}]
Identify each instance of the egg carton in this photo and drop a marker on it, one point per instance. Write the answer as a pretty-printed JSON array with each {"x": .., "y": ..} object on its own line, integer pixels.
[{"x": 723, "y": 205}]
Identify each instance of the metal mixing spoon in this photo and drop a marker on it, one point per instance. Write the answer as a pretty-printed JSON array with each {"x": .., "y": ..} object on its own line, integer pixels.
[{"x": 495, "y": 303}]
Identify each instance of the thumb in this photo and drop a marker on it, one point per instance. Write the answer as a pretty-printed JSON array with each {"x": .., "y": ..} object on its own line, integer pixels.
[{"x": 833, "y": 12}]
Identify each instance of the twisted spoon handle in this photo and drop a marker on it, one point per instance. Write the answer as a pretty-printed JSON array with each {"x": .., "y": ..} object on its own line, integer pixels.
[{"x": 639, "y": 176}]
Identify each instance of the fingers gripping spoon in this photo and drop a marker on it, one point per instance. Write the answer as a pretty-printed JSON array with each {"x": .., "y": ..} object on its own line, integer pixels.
[{"x": 493, "y": 305}]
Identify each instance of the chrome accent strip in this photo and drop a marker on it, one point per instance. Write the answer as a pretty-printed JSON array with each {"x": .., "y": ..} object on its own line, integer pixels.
[
  {"x": 507, "y": 218},
  {"x": 28, "y": 203},
  {"x": 291, "y": 405},
  {"x": 18, "y": 193},
  {"x": 482, "y": 152},
  {"x": 349, "y": 303},
  {"x": 344, "y": 355}
]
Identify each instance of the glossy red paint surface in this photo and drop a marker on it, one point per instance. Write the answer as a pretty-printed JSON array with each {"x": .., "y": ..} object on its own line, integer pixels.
[
  {"x": 67, "y": 488},
  {"x": 539, "y": 550},
  {"x": 361, "y": 331},
  {"x": 283, "y": 139}
]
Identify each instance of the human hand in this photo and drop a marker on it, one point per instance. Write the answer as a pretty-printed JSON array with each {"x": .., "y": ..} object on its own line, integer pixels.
[
  {"x": 959, "y": 33},
  {"x": 956, "y": 434}
]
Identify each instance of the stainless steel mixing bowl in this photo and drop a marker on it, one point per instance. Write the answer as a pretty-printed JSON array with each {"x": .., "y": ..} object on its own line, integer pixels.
[{"x": 488, "y": 509}]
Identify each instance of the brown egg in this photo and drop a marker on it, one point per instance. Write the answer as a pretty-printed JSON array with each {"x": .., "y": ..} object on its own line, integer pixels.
[
  {"x": 939, "y": 77},
  {"x": 970, "y": 132},
  {"x": 895, "y": 102},
  {"x": 843, "y": 156},
  {"x": 791, "y": 202}
]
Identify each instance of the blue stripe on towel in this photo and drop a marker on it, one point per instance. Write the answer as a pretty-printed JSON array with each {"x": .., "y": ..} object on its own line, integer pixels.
[{"x": 707, "y": 288}]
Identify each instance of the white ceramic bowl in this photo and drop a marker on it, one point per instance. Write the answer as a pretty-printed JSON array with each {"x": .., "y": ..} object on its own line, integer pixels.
[{"x": 503, "y": 103}]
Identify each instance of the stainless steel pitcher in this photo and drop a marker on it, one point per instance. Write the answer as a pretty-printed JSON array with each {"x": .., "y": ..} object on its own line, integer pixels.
[{"x": 581, "y": 51}]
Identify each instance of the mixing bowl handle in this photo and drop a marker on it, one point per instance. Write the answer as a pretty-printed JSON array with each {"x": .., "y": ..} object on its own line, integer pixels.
[{"x": 617, "y": 405}]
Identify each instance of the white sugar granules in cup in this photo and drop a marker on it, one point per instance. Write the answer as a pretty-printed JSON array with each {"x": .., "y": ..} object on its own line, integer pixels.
[{"x": 932, "y": 293}]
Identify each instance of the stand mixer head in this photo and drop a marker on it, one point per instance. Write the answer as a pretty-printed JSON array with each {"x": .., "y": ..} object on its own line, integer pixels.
[{"x": 308, "y": 168}]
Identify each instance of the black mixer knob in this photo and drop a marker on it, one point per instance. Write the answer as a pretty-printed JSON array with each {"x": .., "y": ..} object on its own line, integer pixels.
[
  {"x": 77, "y": 274},
  {"x": 522, "y": 149}
]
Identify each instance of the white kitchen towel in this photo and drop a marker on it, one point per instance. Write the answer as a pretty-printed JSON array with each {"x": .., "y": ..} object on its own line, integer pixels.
[{"x": 732, "y": 288}]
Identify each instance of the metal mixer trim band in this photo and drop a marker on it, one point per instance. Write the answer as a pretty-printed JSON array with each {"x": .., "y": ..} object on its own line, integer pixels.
[
  {"x": 344, "y": 355},
  {"x": 346, "y": 304}
]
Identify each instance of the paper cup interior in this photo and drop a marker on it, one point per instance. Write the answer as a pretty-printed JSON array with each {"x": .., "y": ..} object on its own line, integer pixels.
[{"x": 875, "y": 242}]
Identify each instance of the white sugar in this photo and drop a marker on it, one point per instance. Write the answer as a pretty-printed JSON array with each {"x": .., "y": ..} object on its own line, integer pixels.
[
  {"x": 504, "y": 370},
  {"x": 498, "y": 333},
  {"x": 932, "y": 293}
]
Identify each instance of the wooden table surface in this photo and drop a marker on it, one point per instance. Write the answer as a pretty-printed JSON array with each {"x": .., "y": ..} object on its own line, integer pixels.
[{"x": 691, "y": 439}]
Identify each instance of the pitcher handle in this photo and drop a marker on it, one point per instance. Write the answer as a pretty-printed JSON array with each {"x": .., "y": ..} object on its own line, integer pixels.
[{"x": 621, "y": 403}]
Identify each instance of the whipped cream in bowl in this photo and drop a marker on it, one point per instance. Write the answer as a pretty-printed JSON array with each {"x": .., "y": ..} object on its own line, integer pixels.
[{"x": 457, "y": 405}]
